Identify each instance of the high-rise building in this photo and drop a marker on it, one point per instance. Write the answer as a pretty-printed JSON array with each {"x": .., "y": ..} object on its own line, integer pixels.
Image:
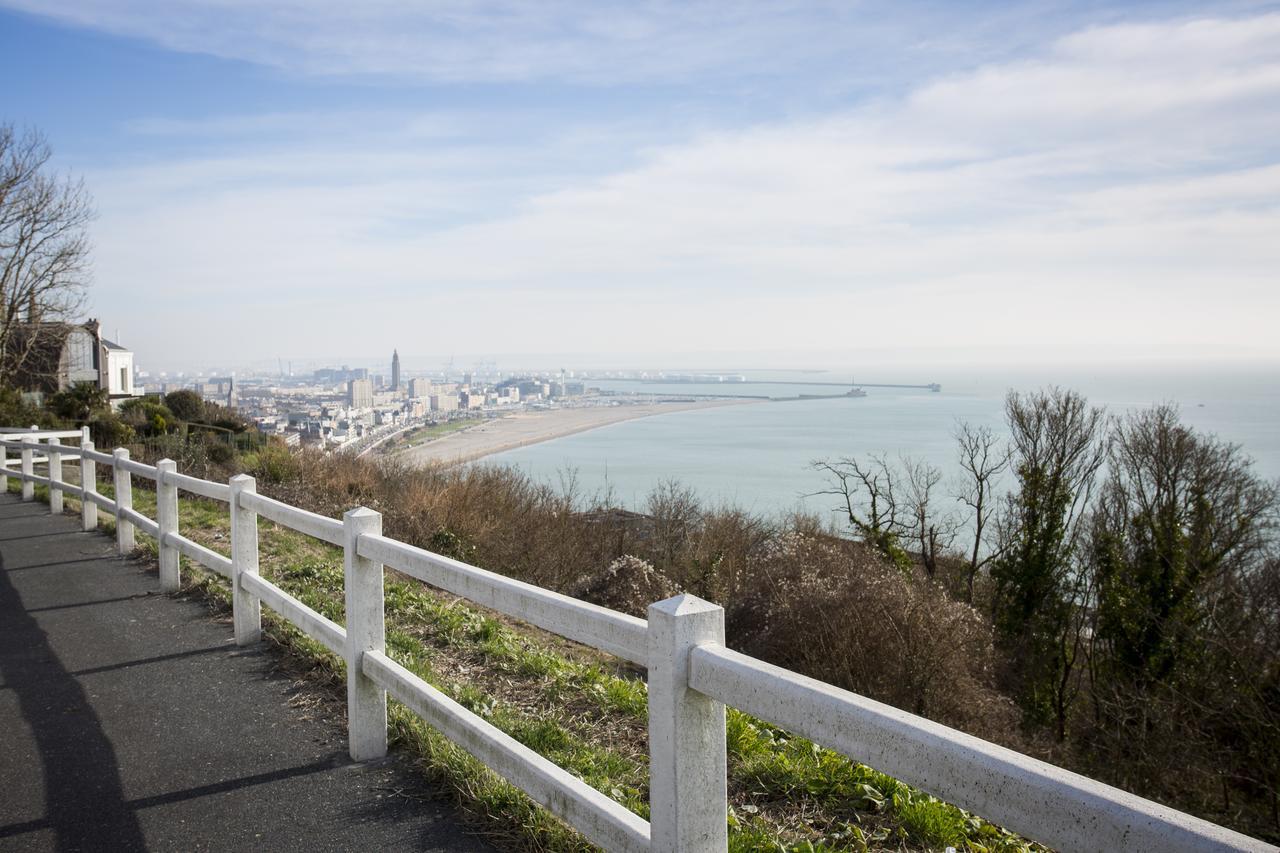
[
  {"x": 360, "y": 393},
  {"x": 419, "y": 387},
  {"x": 443, "y": 402},
  {"x": 395, "y": 370}
]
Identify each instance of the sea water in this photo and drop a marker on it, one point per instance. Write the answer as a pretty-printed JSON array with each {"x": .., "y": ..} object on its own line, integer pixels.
[{"x": 759, "y": 456}]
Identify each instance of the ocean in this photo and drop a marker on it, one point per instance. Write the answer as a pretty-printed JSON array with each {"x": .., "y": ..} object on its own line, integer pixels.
[{"x": 758, "y": 456}]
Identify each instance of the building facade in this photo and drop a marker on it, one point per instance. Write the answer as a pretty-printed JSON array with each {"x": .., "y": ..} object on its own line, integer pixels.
[
  {"x": 52, "y": 357},
  {"x": 360, "y": 393},
  {"x": 444, "y": 402}
]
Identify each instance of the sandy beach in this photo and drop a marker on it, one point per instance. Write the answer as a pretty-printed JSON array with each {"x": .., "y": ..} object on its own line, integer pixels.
[{"x": 517, "y": 430}]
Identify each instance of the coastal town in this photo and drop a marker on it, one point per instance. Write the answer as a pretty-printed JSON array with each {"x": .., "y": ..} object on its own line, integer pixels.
[
  {"x": 356, "y": 409},
  {"x": 359, "y": 410}
]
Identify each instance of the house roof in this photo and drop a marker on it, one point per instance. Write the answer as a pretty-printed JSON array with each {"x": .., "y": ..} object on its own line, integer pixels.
[{"x": 110, "y": 345}]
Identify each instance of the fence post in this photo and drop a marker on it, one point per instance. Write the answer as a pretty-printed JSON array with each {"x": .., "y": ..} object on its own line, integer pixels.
[
  {"x": 245, "y": 607},
  {"x": 366, "y": 702},
  {"x": 28, "y": 468},
  {"x": 167, "y": 519},
  {"x": 124, "y": 500},
  {"x": 688, "y": 796},
  {"x": 55, "y": 477},
  {"x": 88, "y": 486}
]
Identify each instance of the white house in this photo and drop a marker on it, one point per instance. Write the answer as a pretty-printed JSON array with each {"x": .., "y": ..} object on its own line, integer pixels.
[
  {"x": 117, "y": 371},
  {"x": 54, "y": 356}
]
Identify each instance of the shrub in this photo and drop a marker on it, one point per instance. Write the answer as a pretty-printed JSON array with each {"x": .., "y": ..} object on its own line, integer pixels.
[
  {"x": 16, "y": 411},
  {"x": 629, "y": 585},
  {"x": 843, "y": 613},
  {"x": 219, "y": 452},
  {"x": 109, "y": 431},
  {"x": 186, "y": 405},
  {"x": 273, "y": 463},
  {"x": 147, "y": 415},
  {"x": 79, "y": 402},
  {"x": 191, "y": 456}
]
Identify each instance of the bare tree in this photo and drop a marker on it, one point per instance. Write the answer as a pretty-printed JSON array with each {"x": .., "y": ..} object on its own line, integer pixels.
[
  {"x": 932, "y": 531},
  {"x": 870, "y": 502},
  {"x": 44, "y": 247},
  {"x": 888, "y": 504},
  {"x": 983, "y": 459},
  {"x": 676, "y": 513}
]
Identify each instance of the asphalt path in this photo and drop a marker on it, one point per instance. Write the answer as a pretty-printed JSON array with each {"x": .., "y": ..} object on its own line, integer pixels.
[{"x": 129, "y": 720}]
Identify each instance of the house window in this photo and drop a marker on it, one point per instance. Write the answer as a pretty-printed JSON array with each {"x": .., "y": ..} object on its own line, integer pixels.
[{"x": 124, "y": 379}]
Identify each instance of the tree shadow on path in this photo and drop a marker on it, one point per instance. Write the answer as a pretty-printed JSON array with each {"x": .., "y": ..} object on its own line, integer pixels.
[{"x": 84, "y": 797}]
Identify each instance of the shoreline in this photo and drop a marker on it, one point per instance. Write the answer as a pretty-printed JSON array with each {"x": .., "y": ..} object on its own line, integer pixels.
[{"x": 510, "y": 432}]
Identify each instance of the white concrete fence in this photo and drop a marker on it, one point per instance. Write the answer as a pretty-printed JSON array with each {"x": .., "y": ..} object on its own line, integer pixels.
[{"x": 691, "y": 677}]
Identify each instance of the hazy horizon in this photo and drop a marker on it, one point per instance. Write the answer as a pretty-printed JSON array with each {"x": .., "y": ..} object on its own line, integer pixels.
[{"x": 860, "y": 366}]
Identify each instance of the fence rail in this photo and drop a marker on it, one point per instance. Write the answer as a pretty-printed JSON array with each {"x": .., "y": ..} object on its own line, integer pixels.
[
  {"x": 691, "y": 676},
  {"x": 206, "y": 557},
  {"x": 608, "y": 630},
  {"x": 312, "y": 524},
  {"x": 196, "y": 486},
  {"x": 44, "y": 434},
  {"x": 324, "y": 631}
]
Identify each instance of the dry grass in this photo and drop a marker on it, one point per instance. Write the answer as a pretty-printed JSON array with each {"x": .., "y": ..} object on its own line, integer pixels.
[{"x": 794, "y": 594}]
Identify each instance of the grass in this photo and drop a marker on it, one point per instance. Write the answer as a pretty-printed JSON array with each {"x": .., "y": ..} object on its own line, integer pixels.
[
  {"x": 430, "y": 433},
  {"x": 581, "y": 710}
]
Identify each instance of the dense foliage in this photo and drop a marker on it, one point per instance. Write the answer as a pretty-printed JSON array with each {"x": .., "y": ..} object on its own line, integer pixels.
[{"x": 1130, "y": 580}]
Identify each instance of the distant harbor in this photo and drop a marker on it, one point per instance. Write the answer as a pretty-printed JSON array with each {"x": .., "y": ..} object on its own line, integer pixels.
[
  {"x": 719, "y": 385},
  {"x": 739, "y": 380},
  {"x": 758, "y": 457}
]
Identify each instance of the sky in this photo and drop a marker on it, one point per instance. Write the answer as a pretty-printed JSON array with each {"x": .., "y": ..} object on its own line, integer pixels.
[{"x": 666, "y": 183}]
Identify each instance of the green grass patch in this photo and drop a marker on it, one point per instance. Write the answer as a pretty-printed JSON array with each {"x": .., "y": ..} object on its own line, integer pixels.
[{"x": 430, "y": 433}]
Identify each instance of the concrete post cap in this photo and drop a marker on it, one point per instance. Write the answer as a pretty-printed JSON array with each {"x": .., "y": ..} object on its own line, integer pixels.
[{"x": 684, "y": 604}]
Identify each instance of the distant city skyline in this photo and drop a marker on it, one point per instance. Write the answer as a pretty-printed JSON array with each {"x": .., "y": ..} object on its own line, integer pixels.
[{"x": 671, "y": 185}]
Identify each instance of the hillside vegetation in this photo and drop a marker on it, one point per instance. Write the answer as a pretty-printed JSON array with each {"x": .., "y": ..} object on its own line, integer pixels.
[{"x": 1116, "y": 610}]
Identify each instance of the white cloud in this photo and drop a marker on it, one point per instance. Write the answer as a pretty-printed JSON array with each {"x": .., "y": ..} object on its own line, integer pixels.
[{"x": 1118, "y": 189}]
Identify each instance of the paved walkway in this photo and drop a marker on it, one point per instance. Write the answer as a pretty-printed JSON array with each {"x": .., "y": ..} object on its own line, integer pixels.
[{"x": 130, "y": 721}]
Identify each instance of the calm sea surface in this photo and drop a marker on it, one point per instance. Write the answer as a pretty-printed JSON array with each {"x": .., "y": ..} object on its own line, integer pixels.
[{"x": 758, "y": 456}]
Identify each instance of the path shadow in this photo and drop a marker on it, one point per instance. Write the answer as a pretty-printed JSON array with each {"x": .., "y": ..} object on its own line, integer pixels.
[
  {"x": 84, "y": 797},
  {"x": 93, "y": 603},
  {"x": 326, "y": 765},
  {"x": 32, "y": 535},
  {"x": 58, "y": 564}
]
